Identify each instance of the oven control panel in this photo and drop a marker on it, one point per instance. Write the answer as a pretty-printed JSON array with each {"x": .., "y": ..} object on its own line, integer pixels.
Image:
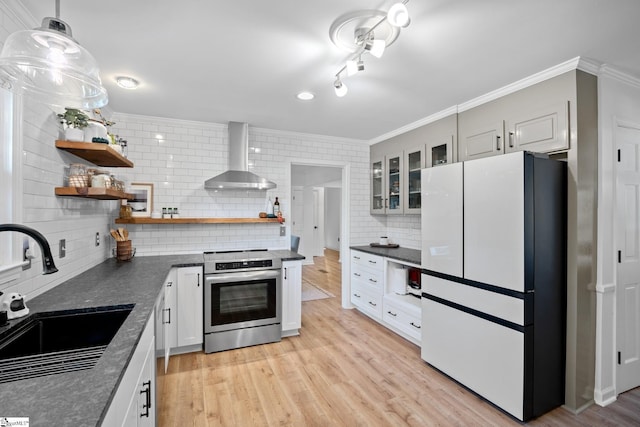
[{"x": 239, "y": 265}]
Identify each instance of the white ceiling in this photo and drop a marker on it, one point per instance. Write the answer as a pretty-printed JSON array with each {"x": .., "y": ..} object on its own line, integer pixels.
[{"x": 245, "y": 60}]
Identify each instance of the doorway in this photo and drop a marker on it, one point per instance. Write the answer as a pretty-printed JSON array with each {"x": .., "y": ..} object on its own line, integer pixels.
[
  {"x": 316, "y": 208},
  {"x": 334, "y": 180}
]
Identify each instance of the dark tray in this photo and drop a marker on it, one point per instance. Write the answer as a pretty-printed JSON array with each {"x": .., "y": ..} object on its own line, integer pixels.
[{"x": 389, "y": 246}]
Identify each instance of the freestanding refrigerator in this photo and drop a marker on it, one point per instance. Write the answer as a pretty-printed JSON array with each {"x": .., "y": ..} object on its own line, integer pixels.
[{"x": 494, "y": 278}]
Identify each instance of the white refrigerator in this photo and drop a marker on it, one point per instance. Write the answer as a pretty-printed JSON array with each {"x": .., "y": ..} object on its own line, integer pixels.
[{"x": 494, "y": 278}]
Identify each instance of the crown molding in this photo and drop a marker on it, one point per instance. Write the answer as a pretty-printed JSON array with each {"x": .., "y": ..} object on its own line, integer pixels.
[
  {"x": 616, "y": 74},
  {"x": 415, "y": 125}
]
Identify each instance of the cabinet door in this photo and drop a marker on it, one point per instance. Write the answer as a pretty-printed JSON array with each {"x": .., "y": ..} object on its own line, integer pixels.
[
  {"x": 414, "y": 162},
  {"x": 190, "y": 306},
  {"x": 394, "y": 184},
  {"x": 440, "y": 152},
  {"x": 483, "y": 142},
  {"x": 378, "y": 188},
  {"x": 541, "y": 131},
  {"x": 169, "y": 316},
  {"x": 494, "y": 221},
  {"x": 291, "y": 295}
]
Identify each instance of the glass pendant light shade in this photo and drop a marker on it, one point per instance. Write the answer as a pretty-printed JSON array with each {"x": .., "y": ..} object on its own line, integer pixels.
[{"x": 47, "y": 65}]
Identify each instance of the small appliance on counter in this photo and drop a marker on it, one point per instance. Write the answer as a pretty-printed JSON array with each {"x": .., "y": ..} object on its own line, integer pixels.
[{"x": 13, "y": 304}]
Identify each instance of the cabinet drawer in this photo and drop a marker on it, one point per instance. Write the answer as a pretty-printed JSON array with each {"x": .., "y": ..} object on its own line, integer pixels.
[
  {"x": 367, "y": 301},
  {"x": 366, "y": 260},
  {"x": 373, "y": 279},
  {"x": 405, "y": 317}
]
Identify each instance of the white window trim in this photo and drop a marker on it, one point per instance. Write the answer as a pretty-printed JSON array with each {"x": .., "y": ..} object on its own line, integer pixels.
[{"x": 11, "y": 270}]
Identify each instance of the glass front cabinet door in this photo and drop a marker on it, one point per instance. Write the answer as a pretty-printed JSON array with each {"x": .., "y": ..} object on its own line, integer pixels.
[
  {"x": 394, "y": 189},
  {"x": 414, "y": 162},
  {"x": 377, "y": 187},
  {"x": 387, "y": 192},
  {"x": 439, "y": 152}
]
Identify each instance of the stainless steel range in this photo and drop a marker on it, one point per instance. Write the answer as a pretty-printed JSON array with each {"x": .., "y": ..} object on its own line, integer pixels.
[{"x": 242, "y": 299}]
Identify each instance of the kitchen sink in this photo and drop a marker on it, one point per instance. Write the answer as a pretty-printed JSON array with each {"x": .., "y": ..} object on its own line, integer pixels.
[{"x": 59, "y": 341}]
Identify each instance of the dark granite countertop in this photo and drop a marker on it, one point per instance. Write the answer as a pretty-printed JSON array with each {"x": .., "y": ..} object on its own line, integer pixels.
[
  {"x": 402, "y": 254},
  {"x": 81, "y": 398}
]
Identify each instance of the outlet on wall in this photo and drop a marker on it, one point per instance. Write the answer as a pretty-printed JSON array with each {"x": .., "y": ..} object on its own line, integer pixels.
[
  {"x": 62, "y": 249},
  {"x": 97, "y": 239},
  {"x": 283, "y": 230}
]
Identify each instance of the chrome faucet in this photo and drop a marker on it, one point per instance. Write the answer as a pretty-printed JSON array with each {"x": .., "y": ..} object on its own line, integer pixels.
[{"x": 47, "y": 259}]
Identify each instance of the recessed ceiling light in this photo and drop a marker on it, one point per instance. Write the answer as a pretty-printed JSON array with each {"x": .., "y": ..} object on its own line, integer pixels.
[
  {"x": 305, "y": 96},
  {"x": 127, "y": 82}
]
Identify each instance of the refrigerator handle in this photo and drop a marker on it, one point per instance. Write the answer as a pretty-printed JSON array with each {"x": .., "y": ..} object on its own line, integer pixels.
[{"x": 498, "y": 142}]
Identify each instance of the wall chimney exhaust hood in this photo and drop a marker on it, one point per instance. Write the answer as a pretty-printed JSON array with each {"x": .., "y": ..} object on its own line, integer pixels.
[{"x": 238, "y": 176}]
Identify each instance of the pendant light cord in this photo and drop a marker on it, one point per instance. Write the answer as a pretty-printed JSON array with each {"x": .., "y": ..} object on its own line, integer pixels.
[{"x": 57, "y": 9}]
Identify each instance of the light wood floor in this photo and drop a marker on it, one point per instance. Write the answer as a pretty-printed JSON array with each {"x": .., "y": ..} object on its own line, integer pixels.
[{"x": 343, "y": 370}]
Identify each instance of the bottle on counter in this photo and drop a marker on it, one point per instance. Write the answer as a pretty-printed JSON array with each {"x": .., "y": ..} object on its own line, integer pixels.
[{"x": 276, "y": 207}]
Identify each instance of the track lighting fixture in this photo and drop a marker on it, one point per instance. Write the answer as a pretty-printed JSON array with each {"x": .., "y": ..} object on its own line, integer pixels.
[{"x": 372, "y": 31}]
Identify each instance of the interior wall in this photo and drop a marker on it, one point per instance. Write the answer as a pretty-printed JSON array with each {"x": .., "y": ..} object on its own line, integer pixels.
[
  {"x": 189, "y": 152},
  {"x": 332, "y": 219},
  {"x": 43, "y": 168}
]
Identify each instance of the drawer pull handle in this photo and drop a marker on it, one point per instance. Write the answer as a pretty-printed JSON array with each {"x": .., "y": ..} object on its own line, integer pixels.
[
  {"x": 373, "y": 280},
  {"x": 169, "y": 284},
  {"x": 356, "y": 274},
  {"x": 415, "y": 326},
  {"x": 498, "y": 143},
  {"x": 393, "y": 314},
  {"x": 511, "y": 139},
  {"x": 356, "y": 257},
  {"x": 373, "y": 262},
  {"x": 356, "y": 295},
  {"x": 373, "y": 304},
  {"x": 168, "y": 310}
]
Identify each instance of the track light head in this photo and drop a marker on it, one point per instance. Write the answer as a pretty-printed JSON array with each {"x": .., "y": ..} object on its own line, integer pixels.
[
  {"x": 375, "y": 47},
  {"x": 398, "y": 15},
  {"x": 340, "y": 88}
]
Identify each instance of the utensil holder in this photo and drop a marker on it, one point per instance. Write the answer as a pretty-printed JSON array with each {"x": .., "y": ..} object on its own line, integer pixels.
[{"x": 124, "y": 252}]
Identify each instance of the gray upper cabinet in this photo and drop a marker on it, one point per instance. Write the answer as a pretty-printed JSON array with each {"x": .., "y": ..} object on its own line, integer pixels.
[
  {"x": 483, "y": 141},
  {"x": 396, "y": 164},
  {"x": 387, "y": 184},
  {"x": 535, "y": 118},
  {"x": 545, "y": 130}
]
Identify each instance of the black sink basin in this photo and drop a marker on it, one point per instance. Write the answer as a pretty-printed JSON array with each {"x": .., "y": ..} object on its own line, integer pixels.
[{"x": 60, "y": 341}]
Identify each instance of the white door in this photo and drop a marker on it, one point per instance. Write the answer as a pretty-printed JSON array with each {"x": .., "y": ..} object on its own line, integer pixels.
[
  {"x": 494, "y": 220},
  {"x": 297, "y": 212},
  {"x": 318, "y": 221},
  {"x": 628, "y": 272}
]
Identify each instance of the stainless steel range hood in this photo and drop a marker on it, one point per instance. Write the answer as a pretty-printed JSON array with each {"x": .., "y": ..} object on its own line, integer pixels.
[{"x": 238, "y": 176}]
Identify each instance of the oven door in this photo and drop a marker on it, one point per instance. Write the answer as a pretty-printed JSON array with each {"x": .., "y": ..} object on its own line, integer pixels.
[{"x": 242, "y": 300}]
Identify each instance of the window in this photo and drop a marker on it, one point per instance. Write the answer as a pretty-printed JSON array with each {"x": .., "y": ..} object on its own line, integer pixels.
[{"x": 10, "y": 183}]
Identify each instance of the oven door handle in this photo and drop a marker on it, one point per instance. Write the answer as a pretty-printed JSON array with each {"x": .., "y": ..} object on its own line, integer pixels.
[{"x": 242, "y": 276}]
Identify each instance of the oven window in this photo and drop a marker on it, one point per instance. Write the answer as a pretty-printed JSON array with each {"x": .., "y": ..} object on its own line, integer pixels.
[{"x": 243, "y": 301}]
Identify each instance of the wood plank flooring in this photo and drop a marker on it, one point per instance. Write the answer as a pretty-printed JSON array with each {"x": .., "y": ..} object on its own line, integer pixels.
[{"x": 343, "y": 370}]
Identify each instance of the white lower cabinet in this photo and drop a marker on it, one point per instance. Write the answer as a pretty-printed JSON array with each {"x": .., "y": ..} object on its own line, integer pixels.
[
  {"x": 134, "y": 401},
  {"x": 189, "y": 306},
  {"x": 371, "y": 295},
  {"x": 403, "y": 314},
  {"x": 291, "y": 297}
]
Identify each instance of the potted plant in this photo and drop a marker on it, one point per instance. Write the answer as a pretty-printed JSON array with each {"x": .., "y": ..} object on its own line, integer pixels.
[{"x": 74, "y": 121}]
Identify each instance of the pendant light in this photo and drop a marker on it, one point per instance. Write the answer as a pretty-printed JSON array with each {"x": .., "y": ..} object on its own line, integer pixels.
[{"x": 48, "y": 65}]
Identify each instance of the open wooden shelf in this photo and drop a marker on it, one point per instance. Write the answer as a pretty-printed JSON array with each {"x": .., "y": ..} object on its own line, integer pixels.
[
  {"x": 146, "y": 220},
  {"x": 95, "y": 152},
  {"x": 93, "y": 193}
]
